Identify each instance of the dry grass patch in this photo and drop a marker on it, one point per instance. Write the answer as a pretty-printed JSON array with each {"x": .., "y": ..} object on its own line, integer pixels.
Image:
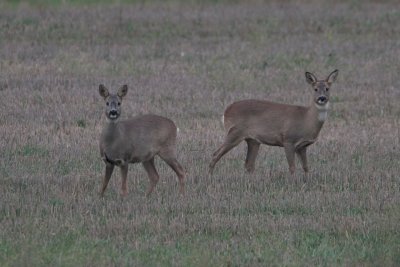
[{"x": 187, "y": 62}]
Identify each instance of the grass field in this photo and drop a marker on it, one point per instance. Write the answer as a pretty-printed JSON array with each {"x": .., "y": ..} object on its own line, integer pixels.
[{"x": 188, "y": 61}]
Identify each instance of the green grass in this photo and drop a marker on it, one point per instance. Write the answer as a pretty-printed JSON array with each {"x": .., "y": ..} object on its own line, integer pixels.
[
  {"x": 66, "y": 2},
  {"x": 55, "y": 3},
  {"x": 73, "y": 248},
  {"x": 32, "y": 150}
]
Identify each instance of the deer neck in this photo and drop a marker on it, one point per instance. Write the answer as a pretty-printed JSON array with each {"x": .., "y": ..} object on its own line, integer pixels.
[
  {"x": 110, "y": 131},
  {"x": 317, "y": 116}
]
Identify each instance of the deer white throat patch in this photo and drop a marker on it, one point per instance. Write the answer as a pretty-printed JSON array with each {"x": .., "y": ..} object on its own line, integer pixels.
[
  {"x": 112, "y": 121},
  {"x": 322, "y": 112}
]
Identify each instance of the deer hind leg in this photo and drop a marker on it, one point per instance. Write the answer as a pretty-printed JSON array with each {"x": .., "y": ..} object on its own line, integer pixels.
[
  {"x": 252, "y": 150},
  {"x": 233, "y": 138},
  {"x": 152, "y": 173},
  {"x": 302, "y": 154},
  {"x": 168, "y": 155},
  {"x": 290, "y": 151},
  {"x": 107, "y": 176},
  {"x": 124, "y": 175}
]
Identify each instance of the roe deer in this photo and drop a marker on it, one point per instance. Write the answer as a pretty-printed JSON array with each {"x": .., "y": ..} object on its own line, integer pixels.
[
  {"x": 264, "y": 122},
  {"x": 138, "y": 139}
]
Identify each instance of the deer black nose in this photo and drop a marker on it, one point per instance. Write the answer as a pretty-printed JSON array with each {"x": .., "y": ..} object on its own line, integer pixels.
[
  {"x": 113, "y": 112},
  {"x": 322, "y": 99}
]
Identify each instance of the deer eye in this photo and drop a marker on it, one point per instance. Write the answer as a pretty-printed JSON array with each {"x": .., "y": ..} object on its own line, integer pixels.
[
  {"x": 327, "y": 89},
  {"x": 108, "y": 103},
  {"x": 119, "y": 103},
  {"x": 315, "y": 89}
]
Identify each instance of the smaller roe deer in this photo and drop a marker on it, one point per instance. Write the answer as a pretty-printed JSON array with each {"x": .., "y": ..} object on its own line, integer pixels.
[
  {"x": 138, "y": 139},
  {"x": 264, "y": 122}
]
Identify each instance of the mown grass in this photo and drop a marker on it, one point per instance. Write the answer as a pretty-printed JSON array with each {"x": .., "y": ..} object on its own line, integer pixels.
[
  {"x": 188, "y": 61},
  {"x": 314, "y": 248}
]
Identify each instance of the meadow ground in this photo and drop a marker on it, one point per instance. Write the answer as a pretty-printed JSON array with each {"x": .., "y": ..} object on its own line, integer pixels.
[{"x": 188, "y": 61}]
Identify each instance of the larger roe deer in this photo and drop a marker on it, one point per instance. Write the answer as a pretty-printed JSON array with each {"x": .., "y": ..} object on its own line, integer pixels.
[
  {"x": 264, "y": 122},
  {"x": 138, "y": 139}
]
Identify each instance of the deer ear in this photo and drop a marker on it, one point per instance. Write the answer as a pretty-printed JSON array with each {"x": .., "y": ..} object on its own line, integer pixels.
[
  {"x": 103, "y": 91},
  {"x": 123, "y": 91},
  {"x": 332, "y": 77},
  {"x": 310, "y": 78}
]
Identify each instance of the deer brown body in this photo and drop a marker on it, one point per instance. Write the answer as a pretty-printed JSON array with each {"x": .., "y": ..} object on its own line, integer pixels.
[
  {"x": 135, "y": 140},
  {"x": 264, "y": 122}
]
